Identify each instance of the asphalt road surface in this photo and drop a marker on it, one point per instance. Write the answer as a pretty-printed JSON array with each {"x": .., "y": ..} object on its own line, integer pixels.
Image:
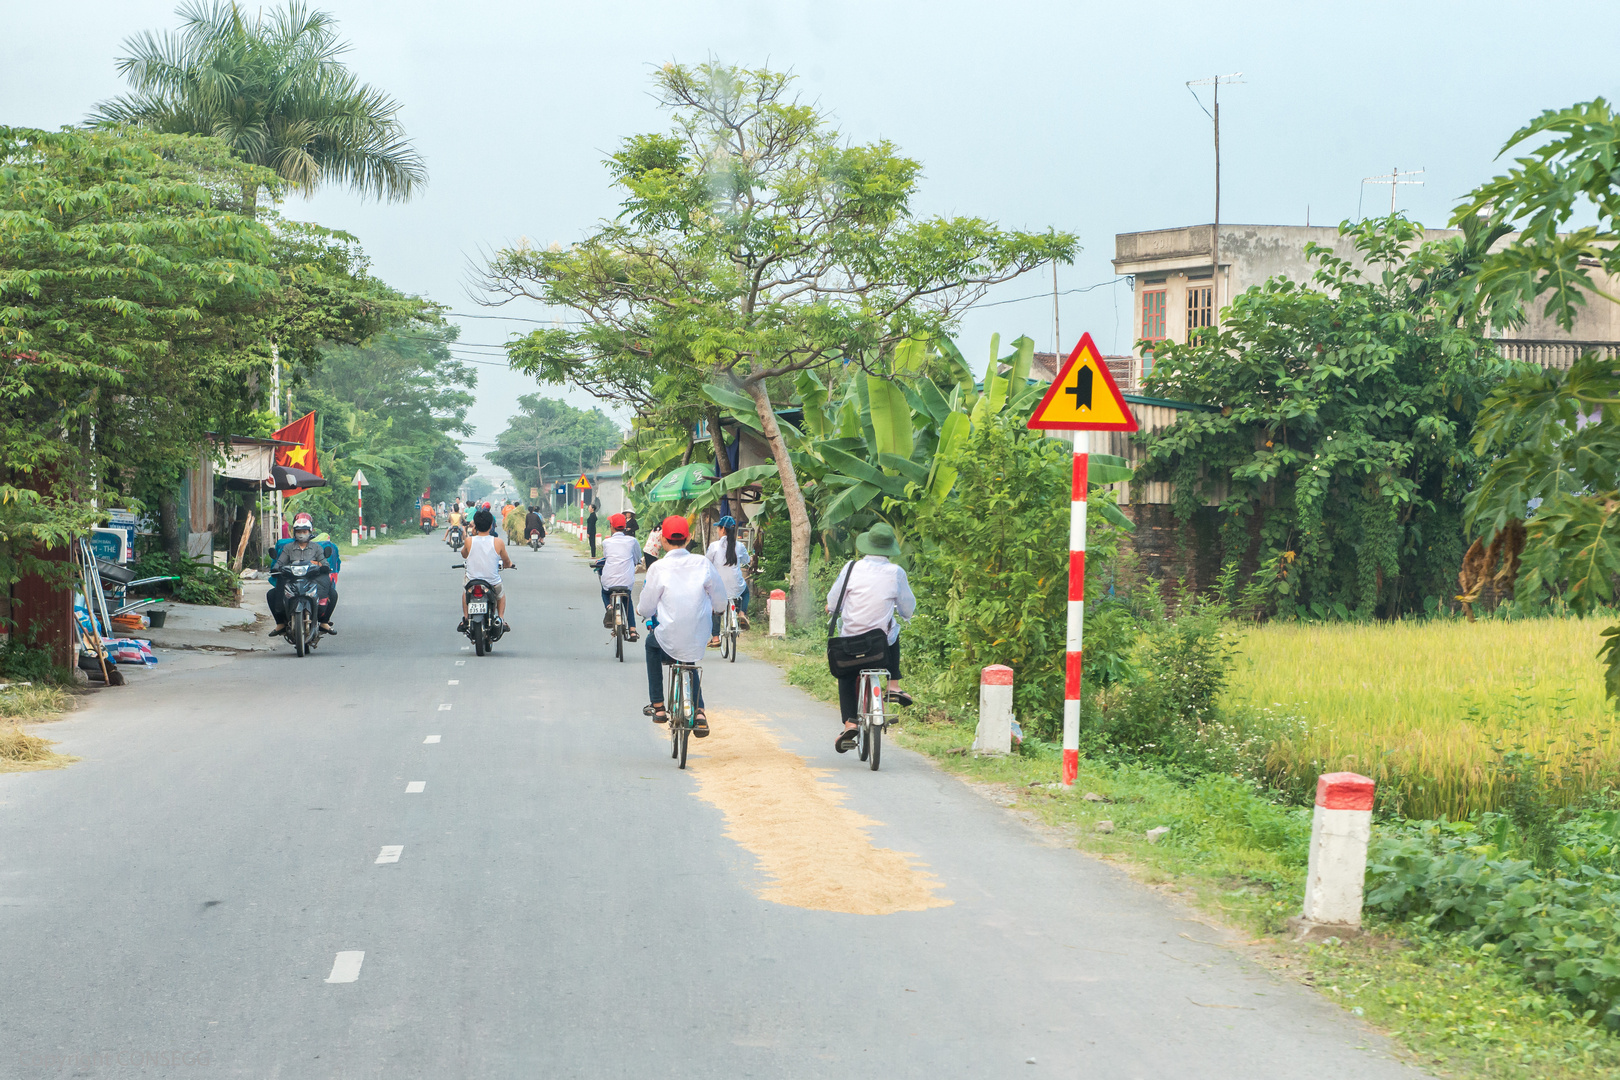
[{"x": 396, "y": 859}]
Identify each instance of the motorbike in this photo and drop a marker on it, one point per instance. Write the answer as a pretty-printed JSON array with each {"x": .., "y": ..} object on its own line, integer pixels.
[
  {"x": 300, "y": 591},
  {"x": 535, "y": 541},
  {"x": 484, "y": 626},
  {"x": 427, "y": 525},
  {"x": 455, "y": 537}
]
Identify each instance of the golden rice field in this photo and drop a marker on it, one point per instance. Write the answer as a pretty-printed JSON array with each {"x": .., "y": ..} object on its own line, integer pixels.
[{"x": 1418, "y": 705}]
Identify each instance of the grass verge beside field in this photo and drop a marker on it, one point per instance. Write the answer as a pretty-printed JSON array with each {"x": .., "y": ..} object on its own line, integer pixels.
[{"x": 1240, "y": 858}]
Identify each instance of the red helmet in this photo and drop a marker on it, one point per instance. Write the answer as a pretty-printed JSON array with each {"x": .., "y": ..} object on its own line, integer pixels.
[
  {"x": 675, "y": 528},
  {"x": 616, "y": 521},
  {"x": 303, "y": 521}
]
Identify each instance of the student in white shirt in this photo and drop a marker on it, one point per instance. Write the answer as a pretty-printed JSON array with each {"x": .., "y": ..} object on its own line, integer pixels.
[
  {"x": 878, "y": 590},
  {"x": 621, "y": 556},
  {"x": 729, "y": 557},
  {"x": 681, "y": 593}
]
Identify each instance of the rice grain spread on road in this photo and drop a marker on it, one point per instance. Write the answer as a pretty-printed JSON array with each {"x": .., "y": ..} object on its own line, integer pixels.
[{"x": 817, "y": 852}]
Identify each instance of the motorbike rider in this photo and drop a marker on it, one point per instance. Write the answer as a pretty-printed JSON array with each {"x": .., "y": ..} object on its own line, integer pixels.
[
  {"x": 486, "y": 557},
  {"x": 532, "y": 524},
  {"x": 304, "y": 548},
  {"x": 426, "y": 516}
]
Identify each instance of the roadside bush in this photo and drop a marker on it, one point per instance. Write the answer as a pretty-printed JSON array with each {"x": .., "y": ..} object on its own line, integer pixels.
[
  {"x": 990, "y": 567},
  {"x": 22, "y": 662},
  {"x": 1561, "y": 925},
  {"x": 200, "y": 582}
]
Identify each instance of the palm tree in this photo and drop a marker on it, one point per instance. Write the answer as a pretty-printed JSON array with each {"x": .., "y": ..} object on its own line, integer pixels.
[{"x": 275, "y": 91}]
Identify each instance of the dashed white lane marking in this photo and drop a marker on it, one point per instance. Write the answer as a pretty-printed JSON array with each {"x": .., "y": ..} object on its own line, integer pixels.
[
  {"x": 431, "y": 739},
  {"x": 416, "y": 787},
  {"x": 390, "y": 853},
  {"x": 461, "y": 663},
  {"x": 444, "y": 708},
  {"x": 455, "y": 682},
  {"x": 346, "y": 968}
]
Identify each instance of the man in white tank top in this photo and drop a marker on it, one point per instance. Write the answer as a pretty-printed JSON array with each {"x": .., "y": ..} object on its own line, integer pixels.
[{"x": 485, "y": 556}]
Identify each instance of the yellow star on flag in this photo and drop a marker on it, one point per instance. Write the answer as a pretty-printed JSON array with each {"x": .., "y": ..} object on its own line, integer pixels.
[{"x": 297, "y": 455}]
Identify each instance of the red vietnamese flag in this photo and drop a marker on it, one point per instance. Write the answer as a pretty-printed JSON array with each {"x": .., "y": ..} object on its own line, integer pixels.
[{"x": 302, "y": 456}]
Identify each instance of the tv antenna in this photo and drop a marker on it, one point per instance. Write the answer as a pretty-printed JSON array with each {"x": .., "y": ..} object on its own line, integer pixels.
[
  {"x": 1214, "y": 82},
  {"x": 1393, "y": 180}
]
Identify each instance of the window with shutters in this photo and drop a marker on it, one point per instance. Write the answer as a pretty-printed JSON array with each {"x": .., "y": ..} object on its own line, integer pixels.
[
  {"x": 1153, "y": 315},
  {"x": 1200, "y": 310}
]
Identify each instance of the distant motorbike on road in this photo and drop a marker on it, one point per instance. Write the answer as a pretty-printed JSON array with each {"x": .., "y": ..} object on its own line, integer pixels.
[
  {"x": 301, "y": 593},
  {"x": 427, "y": 525},
  {"x": 484, "y": 626},
  {"x": 536, "y": 541},
  {"x": 455, "y": 537}
]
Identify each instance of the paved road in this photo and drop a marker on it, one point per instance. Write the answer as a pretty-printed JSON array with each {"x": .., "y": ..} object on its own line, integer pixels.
[{"x": 566, "y": 903}]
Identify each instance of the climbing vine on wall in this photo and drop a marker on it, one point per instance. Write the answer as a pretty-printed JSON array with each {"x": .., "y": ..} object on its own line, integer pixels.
[{"x": 1346, "y": 406}]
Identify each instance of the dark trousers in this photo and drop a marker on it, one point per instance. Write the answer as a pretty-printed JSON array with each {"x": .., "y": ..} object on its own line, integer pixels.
[
  {"x": 656, "y": 659},
  {"x": 592, "y": 537},
  {"x": 326, "y": 602},
  {"x": 849, "y": 705}
]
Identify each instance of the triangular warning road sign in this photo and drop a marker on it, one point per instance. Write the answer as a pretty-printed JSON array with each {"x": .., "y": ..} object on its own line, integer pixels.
[
  {"x": 1083, "y": 397},
  {"x": 360, "y": 478}
]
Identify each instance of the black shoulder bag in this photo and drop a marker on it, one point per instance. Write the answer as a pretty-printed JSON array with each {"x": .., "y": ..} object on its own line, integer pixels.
[{"x": 848, "y": 655}]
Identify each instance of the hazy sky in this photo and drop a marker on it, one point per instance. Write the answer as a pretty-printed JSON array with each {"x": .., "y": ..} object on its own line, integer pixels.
[{"x": 1034, "y": 114}]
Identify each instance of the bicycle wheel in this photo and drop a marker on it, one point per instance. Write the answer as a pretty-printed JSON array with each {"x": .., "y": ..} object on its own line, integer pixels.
[
  {"x": 877, "y": 747},
  {"x": 672, "y": 704},
  {"x": 618, "y": 634},
  {"x": 686, "y": 733},
  {"x": 733, "y": 638}
]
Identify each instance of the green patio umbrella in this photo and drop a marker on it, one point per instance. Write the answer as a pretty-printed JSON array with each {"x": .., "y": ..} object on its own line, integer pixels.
[{"x": 686, "y": 482}]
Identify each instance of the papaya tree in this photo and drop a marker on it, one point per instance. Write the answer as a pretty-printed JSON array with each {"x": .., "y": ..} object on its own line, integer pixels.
[{"x": 754, "y": 244}]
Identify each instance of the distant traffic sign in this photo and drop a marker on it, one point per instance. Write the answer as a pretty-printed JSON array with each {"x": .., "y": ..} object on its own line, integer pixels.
[
  {"x": 1083, "y": 397},
  {"x": 582, "y": 483}
]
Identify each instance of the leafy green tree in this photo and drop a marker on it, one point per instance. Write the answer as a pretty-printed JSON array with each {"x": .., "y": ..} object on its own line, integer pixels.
[
  {"x": 123, "y": 285},
  {"x": 1552, "y": 434},
  {"x": 1343, "y": 412},
  {"x": 274, "y": 90},
  {"x": 754, "y": 244},
  {"x": 549, "y": 432},
  {"x": 391, "y": 406}
]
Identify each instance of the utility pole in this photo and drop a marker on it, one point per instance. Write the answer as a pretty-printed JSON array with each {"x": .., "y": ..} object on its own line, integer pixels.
[
  {"x": 1393, "y": 180},
  {"x": 1214, "y": 82},
  {"x": 1057, "y": 337}
]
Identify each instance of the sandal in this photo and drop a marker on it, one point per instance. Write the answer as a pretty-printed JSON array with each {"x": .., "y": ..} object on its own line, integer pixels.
[
  {"x": 899, "y": 697},
  {"x": 714, "y": 643},
  {"x": 656, "y": 711},
  {"x": 847, "y": 739},
  {"x": 700, "y": 725}
]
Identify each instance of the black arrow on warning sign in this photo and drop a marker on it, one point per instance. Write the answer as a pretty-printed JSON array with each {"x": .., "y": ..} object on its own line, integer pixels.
[{"x": 1081, "y": 388}]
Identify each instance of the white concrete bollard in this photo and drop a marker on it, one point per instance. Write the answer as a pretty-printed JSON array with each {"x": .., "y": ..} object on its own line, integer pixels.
[
  {"x": 1337, "y": 866},
  {"x": 385, "y": 528},
  {"x": 371, "y": 532},
  {"x": 994, "y": 733},
  {"x": 777, "y": 606},
  {"x": 354, "y": 537}
]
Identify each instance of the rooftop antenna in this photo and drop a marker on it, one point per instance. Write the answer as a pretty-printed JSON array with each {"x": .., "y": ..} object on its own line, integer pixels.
[
  {"x": 1214, "y": 82},
  {"x": 1393, "y": 180}
]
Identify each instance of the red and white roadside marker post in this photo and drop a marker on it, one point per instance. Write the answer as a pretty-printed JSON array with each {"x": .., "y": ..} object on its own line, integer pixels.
[
  {"x": 777, "y": 606},
  {"x": 1340, "y": 828},
  {"x": 1082, "y": 399},
  {"x": 994, "y": 734}
]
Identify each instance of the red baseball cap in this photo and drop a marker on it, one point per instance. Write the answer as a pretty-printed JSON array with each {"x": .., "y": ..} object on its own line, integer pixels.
[
  {"x": 675, "y": 528},
  {"x": 616, "y": 521}
]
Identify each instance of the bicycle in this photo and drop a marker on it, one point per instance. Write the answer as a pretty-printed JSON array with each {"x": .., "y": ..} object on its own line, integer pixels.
[
  {"x": 729, "y": 631},
  {"x": 680, "y": 704},
  {"x": 872, "y": 691},
  {"x": 619, "y": 597}
]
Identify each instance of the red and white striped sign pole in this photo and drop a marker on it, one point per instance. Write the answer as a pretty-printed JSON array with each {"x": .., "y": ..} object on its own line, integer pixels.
[
  {"x": 1082, "y": 398},
  {"x": 1077, "y": 610}
]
